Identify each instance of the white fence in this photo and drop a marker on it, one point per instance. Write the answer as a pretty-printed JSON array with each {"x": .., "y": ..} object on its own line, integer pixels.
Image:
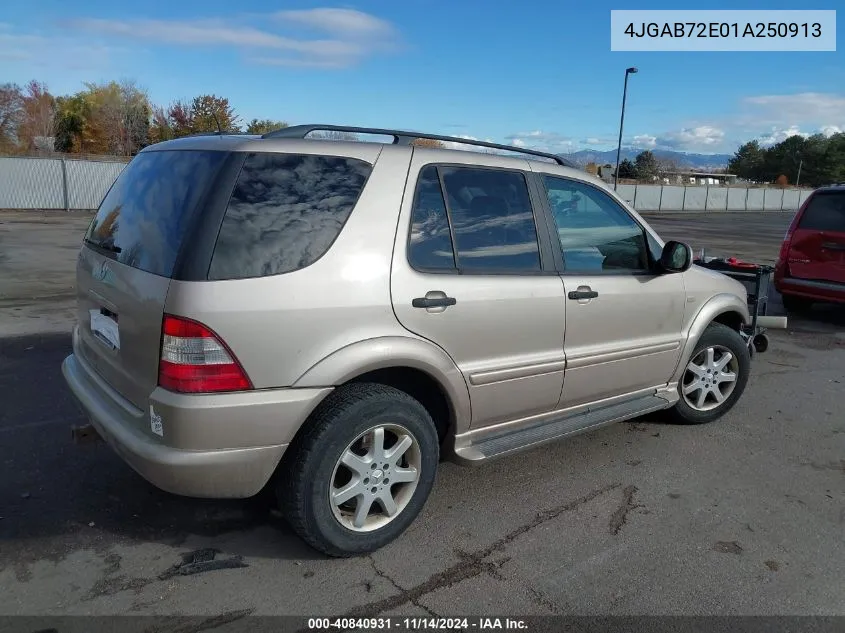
[
  {"x": 698, "y": 198},
  {"x": 58, "y": 183},
  {"x": 55, "y": 183}
]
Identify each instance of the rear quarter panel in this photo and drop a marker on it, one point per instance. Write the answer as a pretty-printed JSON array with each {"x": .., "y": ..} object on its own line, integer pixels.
[{"x": 280, "y": 326}]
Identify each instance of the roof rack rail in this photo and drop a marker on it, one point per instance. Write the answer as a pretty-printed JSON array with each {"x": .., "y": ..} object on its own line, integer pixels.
[{"x": 404, "y": 137}]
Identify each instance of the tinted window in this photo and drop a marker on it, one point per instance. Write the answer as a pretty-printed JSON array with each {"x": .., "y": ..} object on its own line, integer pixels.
[
  {"x": 430, "y": 243},
  {"x": 492, "y": 220},
  {"x": 825, "y": 212},
  {"x": 142, "y": 220},
  {"x": 596, "y": 233},
  {"x": 285, "y": 212}
]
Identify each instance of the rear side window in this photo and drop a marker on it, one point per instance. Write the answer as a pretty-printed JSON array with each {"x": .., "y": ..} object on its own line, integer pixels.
[
  {"x": 479, "y": 221},
  {"x": 143, "y": 218},
  {"x": 824, "y": 212},
  {"x": 285, "y": 212}
]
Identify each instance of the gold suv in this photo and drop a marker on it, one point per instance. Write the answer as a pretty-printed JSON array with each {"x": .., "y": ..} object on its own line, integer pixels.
[{"x": 328, "y": 319}]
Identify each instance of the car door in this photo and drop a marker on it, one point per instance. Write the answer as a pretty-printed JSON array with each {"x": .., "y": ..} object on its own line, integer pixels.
[
  {"x": 472, "y": 273},
  {"x": 624, "y": 320}
]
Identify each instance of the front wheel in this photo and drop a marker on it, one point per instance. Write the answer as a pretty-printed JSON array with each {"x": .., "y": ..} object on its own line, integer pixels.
[
  {"x": 714, "y": 378},
  {"x": 362, "y": 470}
]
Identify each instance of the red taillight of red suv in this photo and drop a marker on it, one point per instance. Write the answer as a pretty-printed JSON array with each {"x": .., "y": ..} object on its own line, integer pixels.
[{"x": 195, "y": 360}]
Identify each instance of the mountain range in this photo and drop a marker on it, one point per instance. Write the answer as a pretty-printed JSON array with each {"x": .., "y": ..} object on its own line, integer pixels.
[{"x": 683, "y": 160}]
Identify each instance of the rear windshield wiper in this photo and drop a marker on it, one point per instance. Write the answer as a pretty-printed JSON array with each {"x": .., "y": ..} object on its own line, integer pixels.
[{"x": 102, "y": 247}]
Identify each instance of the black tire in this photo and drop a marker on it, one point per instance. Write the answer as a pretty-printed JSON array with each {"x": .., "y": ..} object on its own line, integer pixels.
[
  {"x": 791, "y": 303},
  {"x": 716, "y": 334},
  {"x": 305, "y": 475}
]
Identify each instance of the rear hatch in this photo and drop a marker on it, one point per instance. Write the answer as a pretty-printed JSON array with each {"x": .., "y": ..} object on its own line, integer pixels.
[
  {"x": 129, "y": 254},
  {"x": 817, "y": 247}
]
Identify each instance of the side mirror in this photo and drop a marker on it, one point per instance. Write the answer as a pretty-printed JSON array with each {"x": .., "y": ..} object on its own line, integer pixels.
[{"x": 676, "y": 257}]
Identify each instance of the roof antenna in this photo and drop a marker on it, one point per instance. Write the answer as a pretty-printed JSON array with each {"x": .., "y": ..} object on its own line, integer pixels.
[{"x": 217, "y": 121}]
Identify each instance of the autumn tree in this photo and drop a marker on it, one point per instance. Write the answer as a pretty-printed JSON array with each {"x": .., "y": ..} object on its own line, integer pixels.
[
  {"x": 592, "y": 168},
  {"x": 782, "y": 181},
  {"x": 37, "y": 130},
  {"x": 11, "y": 116},
  {"x": 207, "y": 111},
  {"x": 109, "y": 118},
  {"x": 262, "y": 126}
]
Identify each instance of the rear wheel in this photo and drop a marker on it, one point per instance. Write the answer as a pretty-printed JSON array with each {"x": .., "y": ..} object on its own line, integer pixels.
[
  {"x": 796, "y": 304},
  {"x": 714, "y": 378},
  {"x": 361, "y": 472}
]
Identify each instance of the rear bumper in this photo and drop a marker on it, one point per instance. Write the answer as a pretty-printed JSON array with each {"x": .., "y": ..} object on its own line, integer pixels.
[
  {"x": 208, "y": 445},
  {"x": 811, "y": 289}
]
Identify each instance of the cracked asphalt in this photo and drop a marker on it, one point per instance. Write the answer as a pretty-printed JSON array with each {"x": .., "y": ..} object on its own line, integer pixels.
[{"x": 743, "y": 516}]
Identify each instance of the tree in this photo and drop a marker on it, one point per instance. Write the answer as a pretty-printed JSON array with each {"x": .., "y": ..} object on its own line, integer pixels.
[
  {"x": 209, "y": 110},
  {"x": 627, "y": 169},
  {"x": 72, "y": 124},
  {"x": 160, "y": 126},
  {"x": 109, "y": 118},
  {"x": 645, "y": 165},
  {"x": 427, "y": 142},
  {"x": 592, "y": 168},
  {"x": 11, "y": 116},
  {"x": 262, "y": 126},
  {"x": 667, "y": 167},
  {"x": 334, "y": 135},
  {"x": 748, "y": 162},
  {"x": 37, "y": 130}
]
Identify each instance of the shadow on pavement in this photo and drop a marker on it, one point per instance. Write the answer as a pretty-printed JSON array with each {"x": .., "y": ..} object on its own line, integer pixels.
[{"x": 85, "y": 494}]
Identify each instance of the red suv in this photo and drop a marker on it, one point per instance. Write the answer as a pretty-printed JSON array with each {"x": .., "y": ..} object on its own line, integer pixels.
[{"x": 811, "y": 264}]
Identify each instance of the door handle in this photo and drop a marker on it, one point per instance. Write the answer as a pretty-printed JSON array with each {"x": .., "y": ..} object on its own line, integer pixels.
[
  {"x": 433, "y": 302},
  {"x": 583, "y": 294}
]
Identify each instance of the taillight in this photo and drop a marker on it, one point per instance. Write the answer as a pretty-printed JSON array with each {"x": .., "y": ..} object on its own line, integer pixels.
[
  {"x": 787, "y": 239},
  {"x": 195, "y": 360},
  {"x": 784, "y": 247}
]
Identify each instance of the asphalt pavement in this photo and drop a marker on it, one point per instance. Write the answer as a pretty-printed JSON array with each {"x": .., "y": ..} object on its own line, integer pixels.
[{"x": 743, "y": 516}]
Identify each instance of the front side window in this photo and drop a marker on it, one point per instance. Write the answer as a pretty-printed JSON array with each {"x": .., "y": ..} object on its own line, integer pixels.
[
  {"x": 596, "y": 234},
  {"x": 285, "y": 212}
]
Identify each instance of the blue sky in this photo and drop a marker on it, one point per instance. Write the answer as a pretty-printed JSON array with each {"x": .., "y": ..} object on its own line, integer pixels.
[{"x": 538, "y": 73}]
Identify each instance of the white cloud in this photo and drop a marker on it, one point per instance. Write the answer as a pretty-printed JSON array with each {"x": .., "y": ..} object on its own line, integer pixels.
[
  {"x": 830, "y": 130},
  {"x": 464, "y": 146},
  {"x": 805, "y": 107},
  {"x": 543, "y": 141},
  {"x": 40, "y": 50},
  {"x": 700, "y": 138},
  {"x": 353, "y": 36},
  {"x": 644, "y": 141},
  {"x": 344, "y": 22},
  {"x": 776, "y": 135}
]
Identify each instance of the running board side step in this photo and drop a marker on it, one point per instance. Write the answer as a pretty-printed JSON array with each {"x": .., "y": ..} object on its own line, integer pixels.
[{"x": 555, "y": 428}]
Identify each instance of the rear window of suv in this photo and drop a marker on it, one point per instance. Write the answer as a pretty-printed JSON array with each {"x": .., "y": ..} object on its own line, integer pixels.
[
  {"x": 285, "y": 212},
  {"x": 143, "y": 218},
  {"x": 824, "y": 212}
]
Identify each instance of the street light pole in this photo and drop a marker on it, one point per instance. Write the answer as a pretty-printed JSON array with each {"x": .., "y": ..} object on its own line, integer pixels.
[
  {"x": 628, "y": 71},
  {"x": 798, "y": 179}
]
